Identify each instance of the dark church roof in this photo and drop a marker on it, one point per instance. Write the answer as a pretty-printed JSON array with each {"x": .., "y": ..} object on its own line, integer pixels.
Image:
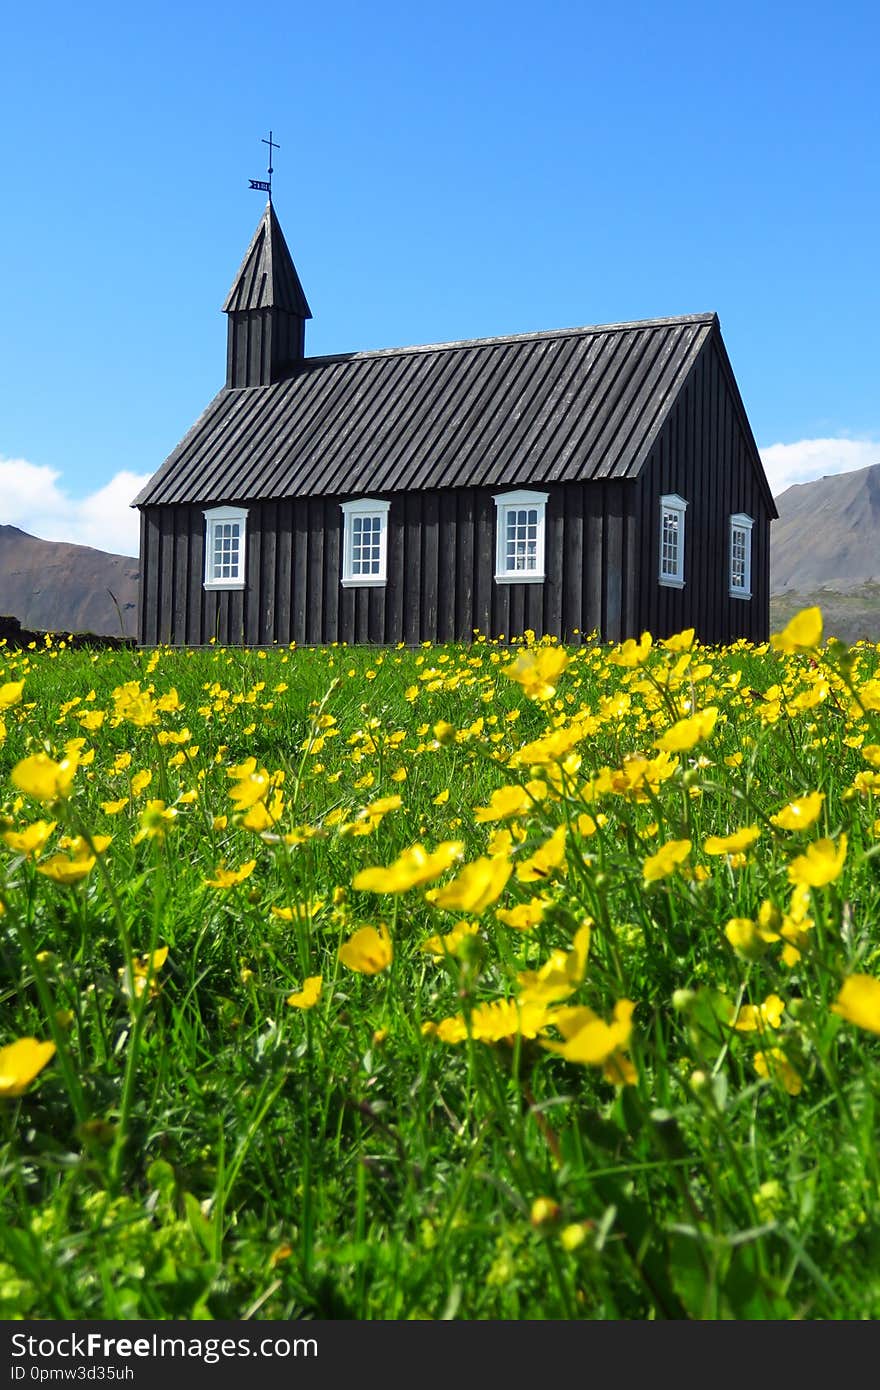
[
  {"x": 568, "y": 405},
  {"x": 267, "y": 277}
]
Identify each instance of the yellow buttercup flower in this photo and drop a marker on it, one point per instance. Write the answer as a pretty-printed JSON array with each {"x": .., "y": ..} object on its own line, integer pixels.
[
  {"x": 803, "y": 633},
  {"x": 504, "y": 803},
  {"x": 10, "y": 694},
  {"x": 538, "y": 671},
  {"x": 757, "y": 1017},
  {"x": 544, "y": 1211},
  {"x": 732, "y": 844},
  {"x": 680, "y": 642},
  {"x": 859, "y": 1002},
  {"x": 748, "y": 938},
  {"x": 801, "y": 813},
  {"x": 574, "y": 1235},
  {"x": 665, "y": 861},
  {"x": 308, "y": 996},
  {"x": 155, "y": 820},
  {"x": 21, "y": 1062},
  {"x": 92, "y": 719},
  {"x": 227, "y": 878},
  {"x": 262, "y": 817},
  {"x": 69, "y": 869},
  {"x": 546, "y": 860},
  {"x": 140, "y": 781},
  {"x": 31, "y": 840},
  {"x": 251, "y": 789},
  {"x": 300, "y": 911},
  {"x": 868, "y": 696},
  {"x": 560, "y": 974},
  {"x": 44, "y": 779},
  {"x": 369, "y": 951},
  {"x": 413, "y": 868},
  {"x": 493, "y": 1022},
  {"x": 134, "y": 705},
  {"x": 773, "y": 1065},
  {"x": 591, "y": 1041},
  {"x": 475, "y": 887},
  {"x": 822, "y": 863},
  {"x": 242, "y": 770},
  {"x": 450, "y": 944},
  {"x": 632, "y": 653},
  {"x": 525, "y": 915},
  {"x": 686, "y": 733},
  {"x": 144, "y": 968}
]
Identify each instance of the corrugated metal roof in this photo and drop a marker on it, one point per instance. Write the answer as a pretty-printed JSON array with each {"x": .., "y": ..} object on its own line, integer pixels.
[
  {"x": 267, "y": 277},
  {"x": 562, "y": 406}
]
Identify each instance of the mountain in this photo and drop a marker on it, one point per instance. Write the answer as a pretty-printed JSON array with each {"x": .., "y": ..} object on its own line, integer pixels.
[
  {"x": 57, "y": 587},
  {"x": 828, "y": 533},
  {"x": 825, "y": 550}
]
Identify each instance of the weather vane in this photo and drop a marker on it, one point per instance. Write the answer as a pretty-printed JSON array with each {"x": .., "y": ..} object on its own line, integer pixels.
[{"x": 265, "y": 185}]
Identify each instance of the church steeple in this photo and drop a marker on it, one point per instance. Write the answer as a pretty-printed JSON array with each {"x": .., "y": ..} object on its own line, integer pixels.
[{"x": 267, "y": 311}]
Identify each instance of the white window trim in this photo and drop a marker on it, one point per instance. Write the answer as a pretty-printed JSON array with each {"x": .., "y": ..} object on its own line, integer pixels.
[
  {"x": 740, "y": 522},
  {"x": 213, "y": 516},
  {"x": 520, "y": 498},
  {"x": 672, "y": 503},
  {"x": 364, "y": 506}
]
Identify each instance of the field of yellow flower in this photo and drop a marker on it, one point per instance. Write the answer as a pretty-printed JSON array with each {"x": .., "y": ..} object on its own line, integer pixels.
[{"x": 500, "y": 981}]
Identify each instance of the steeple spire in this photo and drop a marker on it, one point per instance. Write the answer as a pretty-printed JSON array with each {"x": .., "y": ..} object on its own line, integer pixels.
[{"x": 267, "y": 310}]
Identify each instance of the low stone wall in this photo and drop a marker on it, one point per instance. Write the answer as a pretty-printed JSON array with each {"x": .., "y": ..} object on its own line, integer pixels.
[{"x": 14, "y": 635}]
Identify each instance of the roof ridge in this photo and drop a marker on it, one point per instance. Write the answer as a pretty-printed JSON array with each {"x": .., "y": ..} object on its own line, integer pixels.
[{"x": 534, "y": 336}]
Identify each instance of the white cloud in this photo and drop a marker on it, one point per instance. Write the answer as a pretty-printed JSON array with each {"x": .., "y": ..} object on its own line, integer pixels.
[
  {"x": 32, "y": 500},
  {"x": 786, "y": 464}
]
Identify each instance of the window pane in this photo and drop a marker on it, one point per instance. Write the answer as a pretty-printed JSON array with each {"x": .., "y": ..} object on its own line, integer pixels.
[
  {"x": 669, "y": 551},
  {"x": 365, "y": 545},
  {"x": 520, "y": 529},
  {"x": 224, "y": 546},
  {"x": 738, "y": 551}
]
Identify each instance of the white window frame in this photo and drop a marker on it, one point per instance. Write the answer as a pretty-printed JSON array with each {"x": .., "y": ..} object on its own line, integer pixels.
[
  {"x": 743, "y": 524},
  {"x": 671, "y": 505},
  {"x": 364, "y": 507},
  {"x": 512, "y": 501},
  {"x": 218, "y": 516}
]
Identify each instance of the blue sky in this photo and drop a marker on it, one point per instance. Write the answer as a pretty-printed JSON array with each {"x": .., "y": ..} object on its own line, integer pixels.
[{"x": 448, "y": 172}]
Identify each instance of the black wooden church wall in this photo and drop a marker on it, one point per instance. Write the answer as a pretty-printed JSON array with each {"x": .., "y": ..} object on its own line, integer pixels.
[{"x": 441, "y": 562}]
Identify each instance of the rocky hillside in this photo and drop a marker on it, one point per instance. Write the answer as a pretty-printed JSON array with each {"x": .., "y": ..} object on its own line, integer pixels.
[
  {"x": 58, "y": 587},
  {"x": 825, "y": 550},
  {"x": 828, "y": 533}
]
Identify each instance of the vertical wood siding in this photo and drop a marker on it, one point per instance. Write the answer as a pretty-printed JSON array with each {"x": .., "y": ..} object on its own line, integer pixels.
[
  {"x": 704, "y": 454},
  {"x": 441, "y": 564}
]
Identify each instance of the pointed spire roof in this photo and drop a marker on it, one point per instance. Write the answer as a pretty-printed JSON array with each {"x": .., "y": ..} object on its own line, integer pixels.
[{"x": 267, "y": 278}]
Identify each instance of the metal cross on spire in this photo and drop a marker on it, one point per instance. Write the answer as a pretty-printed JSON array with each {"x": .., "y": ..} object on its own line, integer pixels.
[{"x": 263, "y": 184}]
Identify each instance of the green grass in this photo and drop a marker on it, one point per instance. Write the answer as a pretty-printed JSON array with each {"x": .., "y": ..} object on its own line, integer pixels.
[{"x": 199, "y": 1148}]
